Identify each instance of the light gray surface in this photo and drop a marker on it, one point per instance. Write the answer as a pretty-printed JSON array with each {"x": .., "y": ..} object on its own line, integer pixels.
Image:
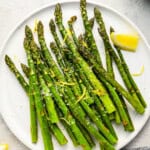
[{"x": 13, "y": 11}]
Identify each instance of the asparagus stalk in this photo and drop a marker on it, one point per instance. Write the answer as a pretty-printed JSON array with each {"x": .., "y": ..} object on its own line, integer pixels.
[
  {"x": 88, "y": 31},
  {"x": 67, "y": 127},
  {"x": 122, "y": 111},
  {"x": 101, "y": 72},
  {"x": 58, "y": 98},
  {"x": 99, "y": 105},
  {"x": 102, "y": 32},
  {"x": 25, "y": 69},
  {"x": 70, "y": 24},
  {"x": 67, "y": 115},
  {"x": 53, "y": 117},
  {"x": 126, "y": 68},
  {"x": 17, "y": 74},
  {"x": 76, "y": 88},
  {"x": 94, "y": 81},
  {"x": 109, "y": 61},
  {"x": 111, "y": 71},
  {"x": 91, "y": 21},
  {"x": 103, "y": 113},
  {"x": 86, "y": 134},
  {"x": 125, "y": 120},
  {"x": 53, "y": 31},
  {"x": 95, "y": 53},
  {"x": 24, "y": 84},
  {"x": 120, "y": 107},
  {"x": 51, "y": 63},
  {"x": 81, "y": 117},
  {"x": 53, "y": 127},
  {"x": 35, "y": 90}
]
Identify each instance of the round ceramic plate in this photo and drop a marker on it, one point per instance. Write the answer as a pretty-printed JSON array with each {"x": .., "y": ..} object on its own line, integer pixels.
[{"x": 14, "y": 102}]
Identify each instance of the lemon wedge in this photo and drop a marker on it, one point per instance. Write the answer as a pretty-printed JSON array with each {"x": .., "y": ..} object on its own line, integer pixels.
[
  {"x": 3, "y": 146},
  {"x": 125, "y": 41}
]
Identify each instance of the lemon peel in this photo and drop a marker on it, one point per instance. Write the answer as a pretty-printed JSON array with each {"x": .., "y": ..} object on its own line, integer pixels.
[
  {"x": 82, "y": 96},
  {"x": 140, "y": 72}
]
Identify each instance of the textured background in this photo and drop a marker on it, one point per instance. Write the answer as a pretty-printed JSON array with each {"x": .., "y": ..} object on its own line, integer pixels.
[{"x": 11, "y": 12}]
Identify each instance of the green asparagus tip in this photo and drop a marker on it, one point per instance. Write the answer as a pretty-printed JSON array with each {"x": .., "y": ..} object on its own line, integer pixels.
[
  {"x": 100, "y": 31},
  {"x": 52, "y": 25},
  {"x": 7, "y": 59},
  {"x": 92, "y": 19},
  {"x": 9, "y": 62},
  {"x": 58, "y": 13},
  {"x": 97, "y": 12},
  {"x": 83, "y": 3},
  {"x": 112, "y": 29},
  {"x": 40, "y": 30},
  {"x": 72, "y": 19},
  {"x": 52, "y": 45},
  {"x": 28, "y": 32},
  {"x": 25, "y": 69},
  {"x": 80, "y": 37}
]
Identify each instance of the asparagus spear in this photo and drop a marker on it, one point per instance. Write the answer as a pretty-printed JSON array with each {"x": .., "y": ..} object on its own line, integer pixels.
[
  {"x": 86, "y": 134},
  {"x": 83, "y": 77},
  {"x": 103, "y": 113},
  {"x": 67, "y": 115},
  {"x": 125, "y": 66},
  {"x": 24, "y": 84},
  {"x": 88, "y": 126},
  {"x": 120, "y": 107},
  {"x": 53, "y": 65},
  {"x": 100, "y": 72},
  {"x": 88, "y": 31},
  {"x": 70, "y": 24},
  {"x": 99, "y": 106},
  {"x": 94, "y": 51},
  {"x": 111, "y": 71},
  {"x": 94, "y": 81},
  {"x": 25, "y": 69},
  {"x": 67, "y": 127},
  {"x": 53, "y": 117},
  {"x": 102, "y": 32},
  {"x": 91, "y": 21},
  {"x": 53, "y": 31},
  {"x": 76, "y": 89},
  {"x": 81, "y": 117},
  {"x": 35, "y": 90},
  {"x": 17, "y": 74},
  {"x": 53, "y": 127}
]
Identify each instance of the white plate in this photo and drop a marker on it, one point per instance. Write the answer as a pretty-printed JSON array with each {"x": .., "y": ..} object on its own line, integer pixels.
[{"x": 14, "y": 102}]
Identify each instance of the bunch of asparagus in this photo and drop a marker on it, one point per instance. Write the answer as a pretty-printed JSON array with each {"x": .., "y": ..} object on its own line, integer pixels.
[{"x": 76, "y": 90}]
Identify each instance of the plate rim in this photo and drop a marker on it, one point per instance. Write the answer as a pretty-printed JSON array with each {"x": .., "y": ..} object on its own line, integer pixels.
[{"x": 52, "y": 4}]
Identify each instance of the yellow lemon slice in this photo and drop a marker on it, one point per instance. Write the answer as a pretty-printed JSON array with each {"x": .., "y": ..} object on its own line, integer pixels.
[
  {"x": 3, "y": 146},
  {"x": 125, "y": 41}
]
